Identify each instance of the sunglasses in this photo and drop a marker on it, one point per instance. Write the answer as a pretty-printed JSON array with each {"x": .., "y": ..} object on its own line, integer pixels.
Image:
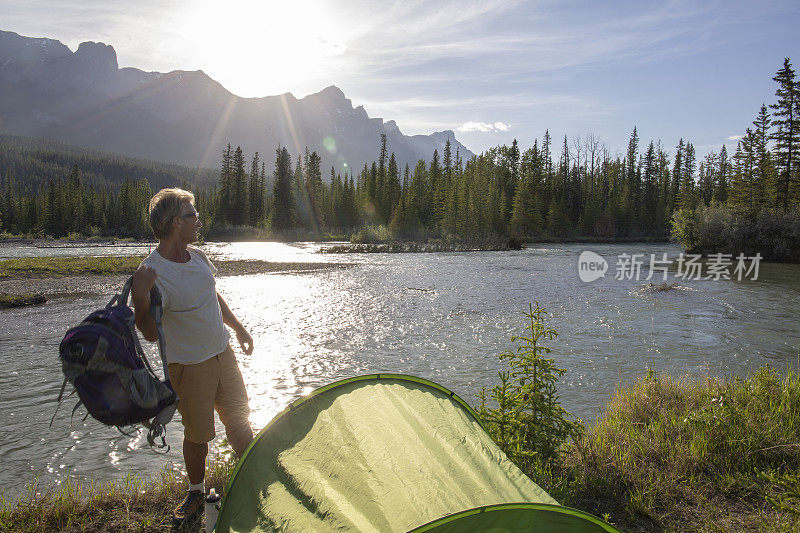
[{"x": 189, "y": 215}]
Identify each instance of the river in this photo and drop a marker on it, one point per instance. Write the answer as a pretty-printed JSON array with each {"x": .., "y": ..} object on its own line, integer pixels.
[{"x": 441, "y": 316}]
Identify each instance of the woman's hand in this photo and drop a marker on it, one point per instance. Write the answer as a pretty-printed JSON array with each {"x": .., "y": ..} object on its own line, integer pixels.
[{"x": 245, "y": 340}]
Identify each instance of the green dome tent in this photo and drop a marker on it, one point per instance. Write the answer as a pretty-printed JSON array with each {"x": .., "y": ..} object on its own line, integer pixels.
[{"x": 386, "y": 452}]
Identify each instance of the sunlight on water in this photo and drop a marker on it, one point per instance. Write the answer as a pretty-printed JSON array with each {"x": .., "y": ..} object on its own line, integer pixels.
[
  {"x": 58, "y": 249},
  {"x": 440, "y": 316},
  {"x": 284, "y": 314},
  {"x": 299, "y": 252}
]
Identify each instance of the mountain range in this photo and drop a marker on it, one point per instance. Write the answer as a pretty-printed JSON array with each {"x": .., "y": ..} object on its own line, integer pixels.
[{"x": 83, "y": 98}]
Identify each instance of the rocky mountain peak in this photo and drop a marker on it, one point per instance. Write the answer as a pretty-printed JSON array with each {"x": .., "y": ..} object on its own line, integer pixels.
[
  {"x": 332, "y": 91},
  {"x": 84, "y": 98},
  {"x": 24, "y": 51},
  {"x": 391, "y": 126},
  {"x": 330, "y": 96},
  {"x": 99, "y": 55},
  {"x": 444, "y": 135}
]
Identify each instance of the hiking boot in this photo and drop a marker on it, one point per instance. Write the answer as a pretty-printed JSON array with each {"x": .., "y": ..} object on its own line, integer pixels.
[{"x": 190, "y": 508}]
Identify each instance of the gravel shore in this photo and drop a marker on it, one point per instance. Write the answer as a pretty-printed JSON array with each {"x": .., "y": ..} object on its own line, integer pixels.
[{"x": 92, "y": 285}]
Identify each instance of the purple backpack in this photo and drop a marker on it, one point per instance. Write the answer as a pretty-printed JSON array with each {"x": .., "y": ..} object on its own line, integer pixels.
[{"x": 104, "y": 361}]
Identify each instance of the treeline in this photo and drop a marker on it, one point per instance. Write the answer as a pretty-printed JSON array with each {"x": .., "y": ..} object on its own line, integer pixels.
[
  {"x": 582, "y": 192},
  {"x": 760, "y": 211},
  {"x": 68, "y": 207},
  {"x": 289, "y": 201},
  {"x": 502, "y": 192},
  {"x": 49, "y": 188},
  {"x": 34, "y": 162}
]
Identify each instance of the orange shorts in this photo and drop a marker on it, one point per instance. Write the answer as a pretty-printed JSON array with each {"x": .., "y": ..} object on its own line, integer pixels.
[{"x": 215, "y": 383}]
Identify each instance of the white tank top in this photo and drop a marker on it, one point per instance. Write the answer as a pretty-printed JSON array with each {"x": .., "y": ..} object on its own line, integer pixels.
[{"x": 192, "y": 319}]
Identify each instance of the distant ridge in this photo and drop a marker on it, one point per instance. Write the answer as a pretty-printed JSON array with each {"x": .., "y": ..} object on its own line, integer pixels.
[
  {"x": 40, "y": 160},
  {"x": 83, "y": 98}
]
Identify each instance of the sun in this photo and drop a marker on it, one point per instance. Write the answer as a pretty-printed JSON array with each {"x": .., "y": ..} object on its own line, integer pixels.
[{"x": 259, "y": 48}]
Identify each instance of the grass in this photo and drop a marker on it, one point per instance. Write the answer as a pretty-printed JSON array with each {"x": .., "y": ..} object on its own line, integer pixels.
[
  {"x": 48, "y": 267},
  {"x": 20, "y": 300},
  {"x": 676, "y": 455},
  {"x": 667, "y": 455},
  {"x": 68, "y": 266},
  {"x": 132, "y": 504}
]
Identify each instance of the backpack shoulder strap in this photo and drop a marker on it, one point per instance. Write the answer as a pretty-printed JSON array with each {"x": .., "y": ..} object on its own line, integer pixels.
[
  {"x": 122, "y": 297},
  {"x": 158, "y": 425},
  {"x": 157, "y": 311}
]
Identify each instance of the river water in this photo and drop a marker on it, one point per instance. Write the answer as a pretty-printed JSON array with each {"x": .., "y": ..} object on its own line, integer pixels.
[{"x": 441, "y": 316}]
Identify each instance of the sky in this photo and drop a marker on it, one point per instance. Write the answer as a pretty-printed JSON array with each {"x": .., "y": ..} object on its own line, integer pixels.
[{"x": 492, "y": 71}]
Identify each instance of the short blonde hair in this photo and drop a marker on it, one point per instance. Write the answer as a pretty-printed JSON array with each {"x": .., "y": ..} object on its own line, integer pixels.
[{"x": 164, "y": 206}]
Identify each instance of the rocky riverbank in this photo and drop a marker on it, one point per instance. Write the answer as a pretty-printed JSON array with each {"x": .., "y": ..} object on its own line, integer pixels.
[{"x": 30, "y": 281}]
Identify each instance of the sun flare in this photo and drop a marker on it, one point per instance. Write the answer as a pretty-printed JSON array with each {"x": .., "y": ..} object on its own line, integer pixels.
[{"x": 256, "y": 48}]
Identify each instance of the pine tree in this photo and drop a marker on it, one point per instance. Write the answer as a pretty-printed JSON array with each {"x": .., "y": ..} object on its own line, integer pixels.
[
  {"x": 314, "y": 190},
  {"x": 632, "y": 178},
  {"x": 508, "y": 173},
  {"x": 677, "y": 178},
  {"x": 435, "y": 191},
  {"x": 765, "y": 176},
  {"x": 300, "y": 202},
  {"x": 225, "y": 196},
  {"x": 380, "y": 197},
  {"x": 742, "y": 190},
  {"x": 392, "y": 187},
  {"x": 526, "y": 218},
  {"x": 443, "y": 191},
  {"x": 262, "y": 193},
  {"x": 557, "y": 220},
  {"x": 787, "y": 134},
  {"x": 405, "y": 222},
  {"x": 664, "y": 178},
  {"x": 76, "y": 217},
  {"x": 282, "y": 208},
  {"x": 255, "y": 212},
  {"x": 45, "y": 219},
  {"x": 7, "y": 214},
  {"x": 238, "y": 207},
  {"x": 688, "y": 198},
  {"x": 650, "y": 188},
  {"x": 351, "y": 204},
  {"x": 708, "y": 171},
  {"x": 722, "y": 176},
  {"x": 373, "y": 206},
  {"x": 447, "y": 162},
  {"x": 419, "y": 188}
]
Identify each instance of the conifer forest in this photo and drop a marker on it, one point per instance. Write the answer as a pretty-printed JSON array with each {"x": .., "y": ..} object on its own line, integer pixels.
[{"x": 556, "y": 189}]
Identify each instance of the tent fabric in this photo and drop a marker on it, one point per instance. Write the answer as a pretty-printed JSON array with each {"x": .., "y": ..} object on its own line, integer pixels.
[
  {"x": 383, "y": 452},
  {"x": 514, "y": 517}
]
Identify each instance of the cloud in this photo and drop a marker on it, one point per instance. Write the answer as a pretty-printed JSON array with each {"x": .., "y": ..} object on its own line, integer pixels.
[
  {"x": 483, "y": 127},
  {"x": 734, "y": 138},
  {"x": 467, "y": 31}
]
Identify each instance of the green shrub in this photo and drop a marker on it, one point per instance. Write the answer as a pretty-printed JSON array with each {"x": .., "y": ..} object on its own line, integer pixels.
[
  {"x": 528, "y": 422},
  {"x": 721, "y": 453},
  {"x": 667, "y": 454},
  {"x": 774, "y": 233},
  {"x": 372, "y": 235},
  {"x": 684, "y": 229}
]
